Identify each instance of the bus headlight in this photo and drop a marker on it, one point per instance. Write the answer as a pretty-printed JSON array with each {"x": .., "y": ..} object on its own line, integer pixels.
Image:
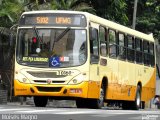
[
  {"x": 24, "y": 80},
  {"x": 21, "y": 78},
  {"x": 76, "y": 80}
]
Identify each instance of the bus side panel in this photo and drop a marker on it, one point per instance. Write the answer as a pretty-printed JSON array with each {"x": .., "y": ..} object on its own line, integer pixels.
[
  {"x": 127, "y": 80},
  {"x": 94, "y": 82},
  {"x": 113, "y": 89},
  {"x": 148, "y": 89},
  {"x": 93, "y": 89},
  {"x": 112, "y": 95},
  {"x": 122, "y": 86}
]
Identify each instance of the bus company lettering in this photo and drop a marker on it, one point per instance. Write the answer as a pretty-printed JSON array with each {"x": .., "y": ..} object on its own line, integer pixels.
[
  {"x": 35, "y": 59},
  {"x": 63, "y": 20}
]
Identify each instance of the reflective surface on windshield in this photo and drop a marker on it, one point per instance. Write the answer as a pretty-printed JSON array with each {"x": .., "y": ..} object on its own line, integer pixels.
[{"x": 51, "y": 47}]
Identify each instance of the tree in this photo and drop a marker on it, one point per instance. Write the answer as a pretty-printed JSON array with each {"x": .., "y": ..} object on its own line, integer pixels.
[
  {"x": 148, "y": 21},
  {"x": 114, "y": 10},
  {"x": 134, "y": 14},
  {"x": 75, "y": 5},
  {"x": 10, "y": 12}
]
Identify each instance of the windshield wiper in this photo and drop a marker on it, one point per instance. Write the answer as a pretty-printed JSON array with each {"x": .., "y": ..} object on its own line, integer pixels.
[
  {"x": 60, "y": 36},
  {"x": 36, "y": 31}
]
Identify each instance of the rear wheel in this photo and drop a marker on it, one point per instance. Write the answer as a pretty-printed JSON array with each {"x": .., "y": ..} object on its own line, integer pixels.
[
  {"x": 136, "y": 105},
  {"x": 92, "y": 103},
  {"x": 137, "y": 102},
  {"x": 40, "y": 101},
  {"x": 100, "y": 101}
]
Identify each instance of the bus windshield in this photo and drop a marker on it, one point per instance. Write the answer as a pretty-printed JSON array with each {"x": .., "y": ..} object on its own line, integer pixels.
[{"x": 51, "y": 47}]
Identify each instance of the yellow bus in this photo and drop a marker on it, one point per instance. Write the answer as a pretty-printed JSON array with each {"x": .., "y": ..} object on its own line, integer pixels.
[{"x": 80, "y": 56}]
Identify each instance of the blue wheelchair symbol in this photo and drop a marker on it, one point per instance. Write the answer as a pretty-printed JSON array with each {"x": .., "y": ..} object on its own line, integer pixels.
[{"x": 54, "y": 62}]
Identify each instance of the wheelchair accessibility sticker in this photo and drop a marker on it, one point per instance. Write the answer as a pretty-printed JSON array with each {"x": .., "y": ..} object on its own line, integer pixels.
[{"x": 54, "y": 62}]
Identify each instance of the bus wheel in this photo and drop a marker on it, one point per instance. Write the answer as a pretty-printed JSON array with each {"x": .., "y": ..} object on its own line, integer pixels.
[
  {"x": 40, "y": 101},
  {"x": 99, "y": 103},
  {"x": 137, "y": 102}
]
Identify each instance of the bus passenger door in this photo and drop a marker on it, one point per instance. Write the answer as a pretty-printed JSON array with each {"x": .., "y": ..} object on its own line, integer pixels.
[{"x": 94, "y": 84}]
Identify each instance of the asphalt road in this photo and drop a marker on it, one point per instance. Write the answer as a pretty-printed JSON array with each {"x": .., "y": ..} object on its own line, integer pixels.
[{"x": 24, "y": 112}]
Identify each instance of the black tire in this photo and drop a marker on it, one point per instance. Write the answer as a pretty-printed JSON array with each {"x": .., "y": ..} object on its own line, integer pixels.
[
  {"x": 98, "y": 103},
  {"x": 40, "y": 101},
  {"x": 92, "y": 103},
  {"x": 142, "y": 105},
  {"x": 137, "y": 102}
]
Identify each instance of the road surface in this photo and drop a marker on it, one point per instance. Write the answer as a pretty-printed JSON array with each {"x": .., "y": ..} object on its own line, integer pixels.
[{"x": 25, "y": 112}]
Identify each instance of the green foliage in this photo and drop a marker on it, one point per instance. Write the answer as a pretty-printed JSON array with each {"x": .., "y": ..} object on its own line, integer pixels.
[
  {"x": 114, "y": 10},
  {"x": 121, "y": 11},
  {"x": 117, "y": 11},
  {"x": 10, "y": 12},
  {"x": 148, "y": 21},
  {"x": 75, "y": 5}
]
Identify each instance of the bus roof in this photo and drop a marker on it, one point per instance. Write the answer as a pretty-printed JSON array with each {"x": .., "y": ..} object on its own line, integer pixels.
[
  {"x": 103, "y": 22},
  {"x": 120, "y": 28}
]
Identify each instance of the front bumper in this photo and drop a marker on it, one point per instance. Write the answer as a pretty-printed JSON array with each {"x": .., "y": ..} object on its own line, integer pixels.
[{"x": 79, "y": 90}]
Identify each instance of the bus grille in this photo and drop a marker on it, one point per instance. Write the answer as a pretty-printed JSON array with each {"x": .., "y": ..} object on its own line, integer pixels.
[
  {"x": 45, "y": 74},
  {"x": 49, "y": 89},
  {"x": 44, "y": 81}
]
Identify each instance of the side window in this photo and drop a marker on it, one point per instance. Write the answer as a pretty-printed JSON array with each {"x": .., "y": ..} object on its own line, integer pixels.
[
  {"x": 139, "y": 54},
  {"x": 103, "y": 42},
  {"x": 146, "y": 52},
  {"x": 122, "y": 48},
  {"x": 112, "y": 44},
  {"x": 151, "y": 51},
  {"x": 130, "y": 49},
  {"x": 94, "y": 45}
]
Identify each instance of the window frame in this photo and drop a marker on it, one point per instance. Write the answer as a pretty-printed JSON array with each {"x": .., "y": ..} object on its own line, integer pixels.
[
  {"x": 146, "y": 60},
  {"x": 152, "y": 55},
  {"x": 120, "y": 47},
  {"x": 139, "y": 52},
  {"x": 130, "y": 49},
  {"x": 94, "y": 57},
  {"x": 105, "y": 41},
  {"x": 113, "y": 45}
]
